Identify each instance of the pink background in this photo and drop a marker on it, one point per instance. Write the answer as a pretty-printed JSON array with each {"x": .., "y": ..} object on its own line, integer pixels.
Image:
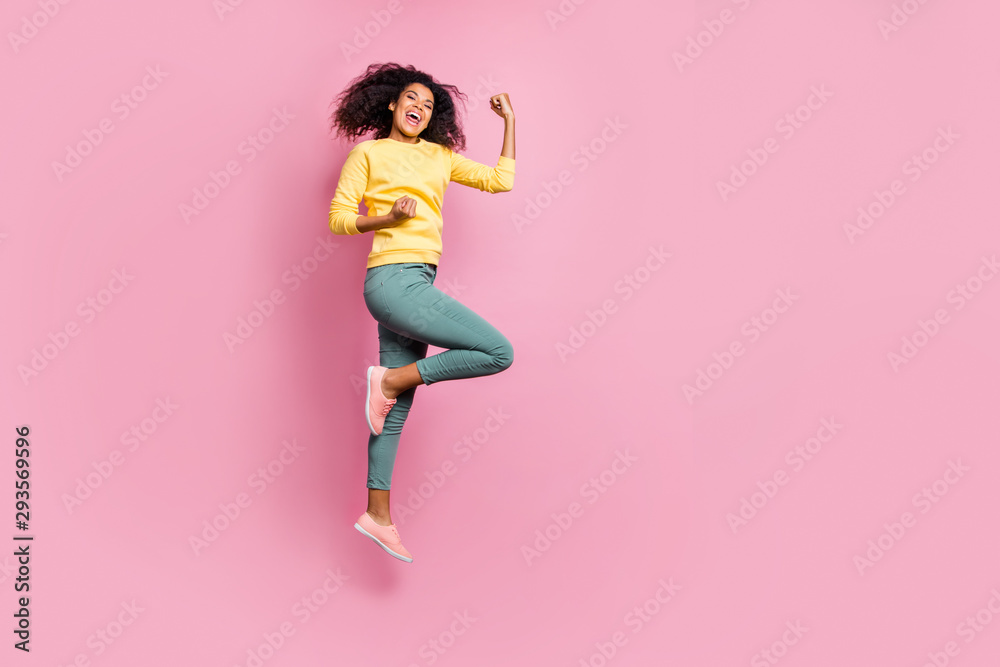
[{"x": 787, "y": 579}]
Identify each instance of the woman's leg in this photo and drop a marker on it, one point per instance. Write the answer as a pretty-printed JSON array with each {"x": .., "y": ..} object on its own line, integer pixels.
[
  {"x": 394, "y": 350},
  {"x": 412, "y": 313},
  {"x": 422, "y": 312},
  {"x": 397, "y": 380}
]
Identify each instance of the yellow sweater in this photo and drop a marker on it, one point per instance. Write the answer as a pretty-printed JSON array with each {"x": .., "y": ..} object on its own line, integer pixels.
[{"x": 380, "y": 171}]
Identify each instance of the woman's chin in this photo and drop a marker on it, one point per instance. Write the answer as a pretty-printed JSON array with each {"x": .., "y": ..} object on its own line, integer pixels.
[{"x": 409, "y": 130}]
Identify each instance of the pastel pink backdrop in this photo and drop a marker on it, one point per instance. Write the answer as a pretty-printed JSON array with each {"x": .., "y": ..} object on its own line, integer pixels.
[{"x": 655, "y": 565}]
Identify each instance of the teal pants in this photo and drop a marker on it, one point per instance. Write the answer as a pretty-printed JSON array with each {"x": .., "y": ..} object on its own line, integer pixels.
[{"x": 412, "y": 313}]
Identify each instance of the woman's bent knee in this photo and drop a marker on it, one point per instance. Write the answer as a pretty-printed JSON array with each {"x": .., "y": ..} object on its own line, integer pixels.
[{"x": 503, "y": 355}]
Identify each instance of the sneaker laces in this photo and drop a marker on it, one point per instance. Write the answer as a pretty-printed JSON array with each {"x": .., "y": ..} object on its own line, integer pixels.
[{"x": 388, "y": 406}]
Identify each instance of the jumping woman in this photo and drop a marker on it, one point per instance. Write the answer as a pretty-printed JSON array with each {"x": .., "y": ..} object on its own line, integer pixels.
[{"x": 401, "y": 174}]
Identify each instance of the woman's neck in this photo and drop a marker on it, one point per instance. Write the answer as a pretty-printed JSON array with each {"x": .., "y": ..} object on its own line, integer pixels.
[{"x": 396, "y": 135}]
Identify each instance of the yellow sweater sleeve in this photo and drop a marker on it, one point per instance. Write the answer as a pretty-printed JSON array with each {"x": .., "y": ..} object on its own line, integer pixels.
[
  {"x": 477, "y": 175},
  {"x": 350, "y": 191}
]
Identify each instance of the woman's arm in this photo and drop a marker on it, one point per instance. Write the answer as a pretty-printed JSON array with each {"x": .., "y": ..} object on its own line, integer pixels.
[
  {"x": 501, "y": 105},
  {"x": 350, "y": 191},
  {"x": 344, "y": 217},
  {"x": 480, "y": 176},
  {"x": 403, "y": 208}
]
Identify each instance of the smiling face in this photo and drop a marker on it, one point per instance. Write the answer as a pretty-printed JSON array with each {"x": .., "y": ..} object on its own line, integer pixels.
[{"x": 412, "y": 111}]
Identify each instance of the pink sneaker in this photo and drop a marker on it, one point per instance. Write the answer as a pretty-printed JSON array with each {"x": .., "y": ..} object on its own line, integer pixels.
[
  {"x": 377, "y": 406},
  {"x": 386, "y": 537}
]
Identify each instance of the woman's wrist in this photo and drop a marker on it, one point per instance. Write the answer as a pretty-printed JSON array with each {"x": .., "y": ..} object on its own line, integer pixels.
[{"x": 370, "y": 223}]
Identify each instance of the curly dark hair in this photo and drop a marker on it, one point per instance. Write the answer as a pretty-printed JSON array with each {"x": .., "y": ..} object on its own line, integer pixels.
[{"x": 364, "y": 105}]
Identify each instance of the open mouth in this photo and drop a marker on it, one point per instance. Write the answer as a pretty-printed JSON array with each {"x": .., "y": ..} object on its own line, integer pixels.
[{"x": 413, "y": 118}]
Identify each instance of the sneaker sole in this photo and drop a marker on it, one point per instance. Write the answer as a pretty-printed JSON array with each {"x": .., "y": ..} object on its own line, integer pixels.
[
  {"x": 368, "y": 403},
  {"x": 384, "y": 547}
]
